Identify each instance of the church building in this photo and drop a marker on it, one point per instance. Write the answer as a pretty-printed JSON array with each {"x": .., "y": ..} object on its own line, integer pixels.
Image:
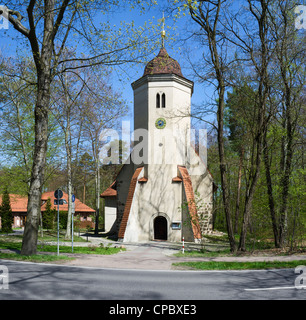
[{"x": 164, "y": 191}]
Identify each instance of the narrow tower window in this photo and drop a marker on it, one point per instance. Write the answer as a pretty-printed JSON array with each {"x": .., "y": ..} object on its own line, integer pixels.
[
  {"x": 158, "y": 101},
  {"x": 163, "y": 101}
]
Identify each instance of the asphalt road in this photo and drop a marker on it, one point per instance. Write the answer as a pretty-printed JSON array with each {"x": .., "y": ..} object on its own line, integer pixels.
[{"x": 32, "y": 281}]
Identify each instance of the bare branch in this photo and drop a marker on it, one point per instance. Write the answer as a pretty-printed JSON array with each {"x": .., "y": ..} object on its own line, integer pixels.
[
  {"x": 32, "y": 35},
  {"x": 59, "y": 19},
  {"x": 16, "y": 22}
]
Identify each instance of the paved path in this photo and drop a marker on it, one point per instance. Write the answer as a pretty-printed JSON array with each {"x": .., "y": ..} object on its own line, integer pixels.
[
  {"x": 152, "y": 255},
  {"x": 138, "y": 258},
  {"x": 155, "y": 256}
]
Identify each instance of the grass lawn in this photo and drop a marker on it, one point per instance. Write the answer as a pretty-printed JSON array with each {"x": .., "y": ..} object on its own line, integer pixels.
[
  {"x": 34, "y": 258},
  {"x": 84, "y": 250},
  {"x": 53, "y": 237},
  {"x": 14, "y": 245},
  {"x": 15, "y": 242},
  {"x": 219, "y": 265},
  {"x": 226, "y": 265},
  {"x": 204, "y": 253}
]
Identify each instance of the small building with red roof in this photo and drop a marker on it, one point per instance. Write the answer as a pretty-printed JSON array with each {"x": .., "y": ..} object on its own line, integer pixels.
[{"x": 19, "y": 205}]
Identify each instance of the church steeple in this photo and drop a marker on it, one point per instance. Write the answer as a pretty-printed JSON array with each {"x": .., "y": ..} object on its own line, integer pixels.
[
  {"x": 163, "y": 64},
  {"x": 163, "y": 33}
]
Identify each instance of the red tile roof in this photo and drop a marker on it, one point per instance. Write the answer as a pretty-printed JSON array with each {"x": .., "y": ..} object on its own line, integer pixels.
[
  {"x": 143, "y": 180},
  {"x": 128, "y": 203},
  {"x": 19, "y": 203},
  {"x": 191, "y": 202},
  {"x": 163, "y": 64},
  {"x": 109, "y": 192},
  {"x": 79, "y": 206}
]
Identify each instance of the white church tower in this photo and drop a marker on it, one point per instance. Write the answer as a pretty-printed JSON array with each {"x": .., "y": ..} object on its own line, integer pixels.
[{"x": 164, "y": 191}]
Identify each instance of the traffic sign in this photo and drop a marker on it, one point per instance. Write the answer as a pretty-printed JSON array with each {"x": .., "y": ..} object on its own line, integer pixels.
[
  {"x": 58, "y": 194},
  {"x": 73, "y": 198},
  {"x": 59, "y": 202}
]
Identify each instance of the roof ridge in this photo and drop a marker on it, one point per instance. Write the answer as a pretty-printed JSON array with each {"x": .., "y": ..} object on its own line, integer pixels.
[
  {"x": 191, "y": 202},
  {"x": 128, "y": 204},
  {"x": 163, "y": 64}
]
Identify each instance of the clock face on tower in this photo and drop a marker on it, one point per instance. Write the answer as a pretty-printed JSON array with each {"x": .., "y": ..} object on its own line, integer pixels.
[{"x": 160, "y": 123}]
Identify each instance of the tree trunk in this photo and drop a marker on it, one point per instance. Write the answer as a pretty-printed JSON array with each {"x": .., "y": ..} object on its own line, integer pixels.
[
  {"x": 69, "y": 176},
  {"x": 84, "y": 190},
  {"x": 21, "y": 135},
  {"x": 209, "y": 24},
  {"x": 287, "y": 150},
  {"x": 238, "y": 190},
  {"x": 224, "y": 183},
  {"x": 270, "y": 193},
  {"x": 262, "y": 68},
  {"x": 98, "y": 178},
  {"x": 43, "y": 66},
  {"x": 255, "y": 167},
  {"x": 247, "y": 211},
  {"x": 286, "y": 181},
  {"x": 69, "y": 169},
  {"x": 29, "y": 243}
]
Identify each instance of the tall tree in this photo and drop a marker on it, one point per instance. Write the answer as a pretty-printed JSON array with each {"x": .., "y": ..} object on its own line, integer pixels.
[
  {"x": 290, "y": 79},
  {"x": 66, "y": 108},
  {"x": 240, "y": 114},
  {"x": 207, "y": 15},
  {"x": 226, "y": 31},
  {"x": 259, "y": 54},
  {"x": 48, "y": 28},
  {"x": 102, "y": 110},
  {"x": 83, "y": 174},
  {"x": 17, "y": 80}
]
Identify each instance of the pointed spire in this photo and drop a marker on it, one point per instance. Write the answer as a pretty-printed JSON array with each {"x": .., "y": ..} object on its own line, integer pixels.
[{"x": 163, "y": 34}]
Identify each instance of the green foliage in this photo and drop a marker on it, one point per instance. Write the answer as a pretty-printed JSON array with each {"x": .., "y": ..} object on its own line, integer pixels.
[
  {"x": 239, "y": 115},
  {"x": 222, "y": 265},
  {"x": 15, "y": 178},
  {"x": 34, "y": 258},
  {"x": 6, "y": 213},
  {"x": 48, "y": 216},
  {"x": 63, "y": 217},
  {"x": 108, "y": 250},
  {"x": 17, "y": 129},
  {"x": 260, "y": 233}
]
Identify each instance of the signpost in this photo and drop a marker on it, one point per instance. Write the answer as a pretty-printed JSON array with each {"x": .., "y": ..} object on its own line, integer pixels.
[
  {"x": 58, "y": 194},
  {"x": 72, "y": 213}
]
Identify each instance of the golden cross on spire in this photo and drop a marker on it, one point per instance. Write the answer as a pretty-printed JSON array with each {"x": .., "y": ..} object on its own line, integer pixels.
[{"x": 163, "y": 34}]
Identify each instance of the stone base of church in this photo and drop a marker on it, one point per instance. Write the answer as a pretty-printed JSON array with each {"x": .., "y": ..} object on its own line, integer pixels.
[{"x": 206, "y": 218}]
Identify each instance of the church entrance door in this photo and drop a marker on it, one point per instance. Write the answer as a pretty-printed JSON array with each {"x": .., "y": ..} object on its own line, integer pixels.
[{"x": 160, "y": 228}]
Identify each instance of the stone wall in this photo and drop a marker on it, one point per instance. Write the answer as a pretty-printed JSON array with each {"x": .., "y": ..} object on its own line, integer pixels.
[{"x": 205, "y": 218}]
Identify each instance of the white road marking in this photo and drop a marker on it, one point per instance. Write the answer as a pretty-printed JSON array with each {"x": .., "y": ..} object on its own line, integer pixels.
[{"x": 276, "y": 288}]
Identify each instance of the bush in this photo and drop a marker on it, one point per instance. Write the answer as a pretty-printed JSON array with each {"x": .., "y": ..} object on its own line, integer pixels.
[
  {"x": 48, "y": 216},
  {"x": 6, "y": 213},
  {"x": 63, "y": 218}
]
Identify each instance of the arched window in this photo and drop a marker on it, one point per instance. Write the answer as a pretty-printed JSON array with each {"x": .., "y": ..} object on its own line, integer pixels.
[
  {"x": 163, "y": 100},
  {"x": 158, "y": 100}
]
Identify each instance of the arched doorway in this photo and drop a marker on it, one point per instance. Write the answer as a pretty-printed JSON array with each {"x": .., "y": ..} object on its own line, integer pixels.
[{"x": 160, "y": 228}]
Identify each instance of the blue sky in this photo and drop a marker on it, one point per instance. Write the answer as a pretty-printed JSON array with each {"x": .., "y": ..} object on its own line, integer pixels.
[
  {"x": 203, "y": 94},
  {"x": 8, "y": 45},
  {"x": 174, "y": 48}
]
